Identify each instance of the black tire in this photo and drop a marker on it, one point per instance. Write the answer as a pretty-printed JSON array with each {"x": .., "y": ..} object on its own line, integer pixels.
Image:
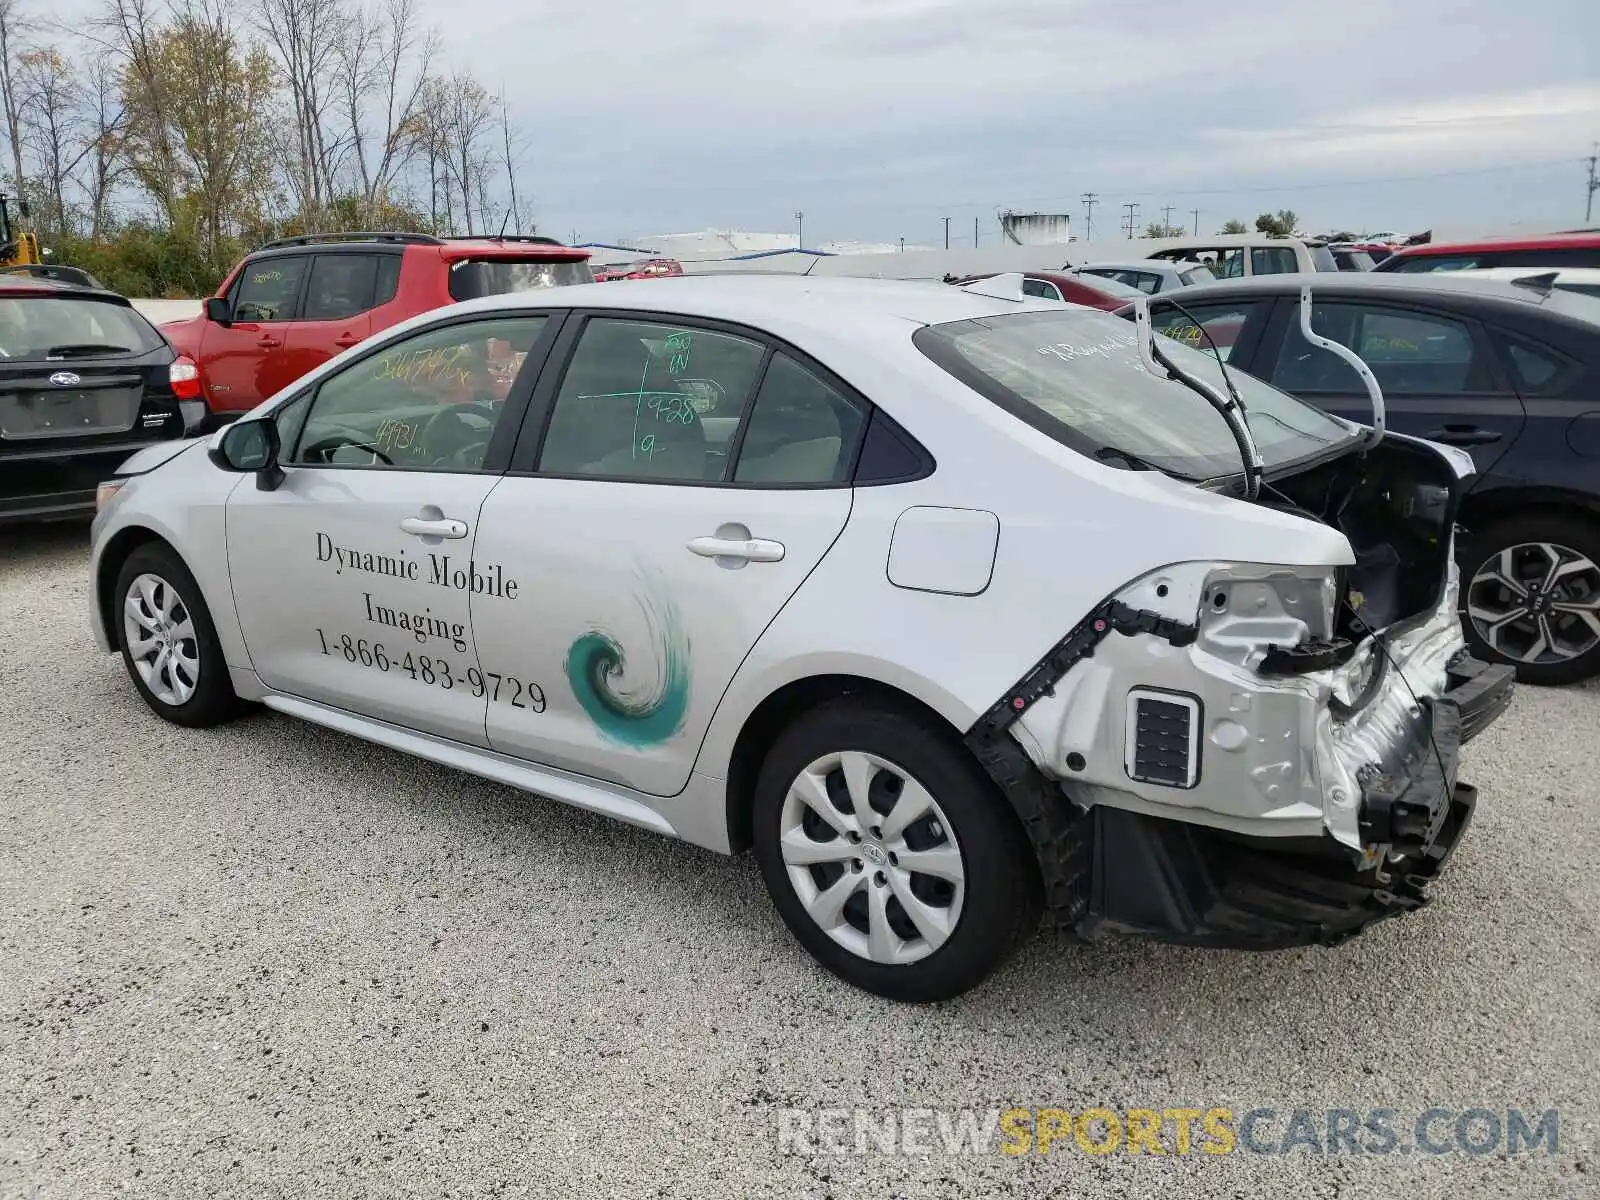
[
  {"x": 213, "y": 699},
  {"x": 1002, "y": 898},
  {"x": 1572, "y": 532}
]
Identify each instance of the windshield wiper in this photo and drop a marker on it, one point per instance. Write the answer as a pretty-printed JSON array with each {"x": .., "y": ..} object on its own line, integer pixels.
[
  {"x": 1133, "y": 461},
  {"x": 76, "y": 348}
]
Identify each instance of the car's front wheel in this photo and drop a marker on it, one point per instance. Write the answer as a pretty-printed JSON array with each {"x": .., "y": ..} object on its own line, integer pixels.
[
  {"x": 168, "y": 641},
  {"x": 1530, "y": 594},
  {"x": 890, "y": 855}
]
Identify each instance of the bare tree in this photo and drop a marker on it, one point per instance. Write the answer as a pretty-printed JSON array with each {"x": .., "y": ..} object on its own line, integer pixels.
[
  {"x": 50, "y": 104},
  {"x": 308, "y": 37},
  {"x": 468, "y": 123},
  {"x": 384, "y": 64},
  {"x": 102, "y": 160},
  {"x": 12, "y": 25}
]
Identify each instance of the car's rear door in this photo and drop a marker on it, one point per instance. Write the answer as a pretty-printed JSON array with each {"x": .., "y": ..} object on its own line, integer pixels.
[
  {"x": 354, "y": 579},
  {"x": 1440, "y": 376},
  {"x": 343, "y": 288},
  {"x": 658, "y": 520}
]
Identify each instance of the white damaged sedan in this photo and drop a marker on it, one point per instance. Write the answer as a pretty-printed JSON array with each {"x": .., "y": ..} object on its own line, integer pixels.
[{"x": 954, "y": 605}]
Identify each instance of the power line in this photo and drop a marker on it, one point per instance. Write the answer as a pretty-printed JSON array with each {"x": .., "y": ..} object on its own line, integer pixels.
[
  {"x": 1505, "y": 168},
  {"x": 1133, "y": 215}
]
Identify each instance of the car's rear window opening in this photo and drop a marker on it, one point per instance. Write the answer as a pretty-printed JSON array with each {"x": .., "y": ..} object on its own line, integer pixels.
[
  {"x": 1075, "y": 375},
  {"x": 471, "y": 278},
  {"x": 47, "y": 326}
]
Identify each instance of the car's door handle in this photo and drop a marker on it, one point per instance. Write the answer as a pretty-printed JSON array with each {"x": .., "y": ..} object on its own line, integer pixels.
[
  {"x": 345, "y": 340},
  {"x": 748, "y": 549},
  {"x": 1463, "y": 435},
  {"x": 447, "y": 527},
  {"x": 269, "y": 343}
]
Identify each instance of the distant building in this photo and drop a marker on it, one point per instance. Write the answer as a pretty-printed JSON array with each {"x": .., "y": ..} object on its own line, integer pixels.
[{"x": 1035, "y": 229}]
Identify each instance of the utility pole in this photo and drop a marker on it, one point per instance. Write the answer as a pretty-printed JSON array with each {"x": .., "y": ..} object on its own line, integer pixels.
[
  {"x": 1196, "y": 213},
  {"x": 1594, "y": 186},
  {"x": 902, "y": 245},
  {"x": 947, "y": 233},
  {"x": 1089, "y": 201},
  {"x": 1166, "y": 216},
  {"x": 800, "y": 234},
  {"x": 1133, "y": 216},
  {"x": 974, "y": 232}
]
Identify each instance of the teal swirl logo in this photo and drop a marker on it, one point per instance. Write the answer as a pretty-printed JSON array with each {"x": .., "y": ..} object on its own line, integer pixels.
[{"x": 641, "y": 714}]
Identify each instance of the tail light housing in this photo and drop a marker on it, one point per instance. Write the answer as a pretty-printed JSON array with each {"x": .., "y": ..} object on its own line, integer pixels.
[{"x": 184, "y": 377}]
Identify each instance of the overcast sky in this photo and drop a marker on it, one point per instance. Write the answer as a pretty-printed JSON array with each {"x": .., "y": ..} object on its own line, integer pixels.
[{"x": 880, "y": 117}]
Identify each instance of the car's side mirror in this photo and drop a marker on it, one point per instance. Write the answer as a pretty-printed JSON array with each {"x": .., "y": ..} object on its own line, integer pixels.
[
  {"x": 217, "y": 310},
  {"x": 251, "y": 446}
]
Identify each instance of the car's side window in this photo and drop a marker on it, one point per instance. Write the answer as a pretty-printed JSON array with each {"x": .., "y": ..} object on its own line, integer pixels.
[
  {"x": 1535, "y": 370},
  {"x": 267, "y": 289},
  {"x": 1273, "y": 260},
  {"x": 430, "y": 401},
  {"x": 647, "y": 400},
  {"x": 341, "y": 285},
  {"x": 1147, "y": 282},
  {"x": 801, "y": 430},
  {"x": 1219, "y": 327},
  {"x": 1040, "y": 288},
  {"x": 1410, "y": 353},
  {"x": 1228, "y": 263}
]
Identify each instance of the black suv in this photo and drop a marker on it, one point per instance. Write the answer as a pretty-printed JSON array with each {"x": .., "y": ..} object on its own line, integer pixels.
[
  {"x": 85, "y": 381},
  {"x": 1507, "y": 371}
]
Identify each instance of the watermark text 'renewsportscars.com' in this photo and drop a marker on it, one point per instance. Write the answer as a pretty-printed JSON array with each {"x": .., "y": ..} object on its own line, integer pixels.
[{"x": 1175, "y": 1130}]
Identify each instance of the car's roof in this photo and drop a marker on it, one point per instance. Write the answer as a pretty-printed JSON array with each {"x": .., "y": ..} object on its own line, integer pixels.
[
  {"x": 1158, "y": 266},
  {"x": 1539, "y": 241},
  {"x": 1464, "y": 288},
  {"x": 841, "y": 302},
  {"x": 37, "y": 287}
]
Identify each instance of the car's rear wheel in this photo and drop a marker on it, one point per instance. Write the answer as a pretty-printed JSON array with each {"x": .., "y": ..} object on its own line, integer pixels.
[
  {"x": 168, "y": 641},
  {"x": 1530, "y": 595},
  {"x": 890, "y": 855}
]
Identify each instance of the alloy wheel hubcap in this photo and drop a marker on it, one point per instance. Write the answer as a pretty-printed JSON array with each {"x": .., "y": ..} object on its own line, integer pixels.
[
  {"x": 161, "y": 639},
  {"x": 1536, "y": 602},
  {"x": 872, "y": 857}
]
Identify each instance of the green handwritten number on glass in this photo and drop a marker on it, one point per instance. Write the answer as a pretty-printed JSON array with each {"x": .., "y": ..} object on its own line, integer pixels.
[{"x": 678, "y": 346}]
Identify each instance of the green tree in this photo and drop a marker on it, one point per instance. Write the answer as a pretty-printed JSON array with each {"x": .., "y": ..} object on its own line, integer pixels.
[
  {"x": 1235, "y": 226},
  {"x": 1157, "y": 230},
  {"x": 1279, "y": 224},
  {"x": 202, "y": 113}
]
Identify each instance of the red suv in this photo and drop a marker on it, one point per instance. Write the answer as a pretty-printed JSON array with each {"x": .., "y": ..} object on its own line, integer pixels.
[
  {"x": 1578, "y": 249},
  {"x": 295, "y": 303}
]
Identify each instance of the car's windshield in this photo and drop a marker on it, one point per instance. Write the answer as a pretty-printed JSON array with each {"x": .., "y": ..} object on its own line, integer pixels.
[
  {"x": 49, "y": 326},
  {"x": 1075, "y": 374},
  {"x": 1322, "y": 258},
  {"x": 474, "y": 277},
  {"x": 1197, "y": 275}
]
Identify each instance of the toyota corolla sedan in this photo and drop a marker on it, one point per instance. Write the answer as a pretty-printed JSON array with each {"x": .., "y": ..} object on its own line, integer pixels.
[{"x": 953, "y": 604}]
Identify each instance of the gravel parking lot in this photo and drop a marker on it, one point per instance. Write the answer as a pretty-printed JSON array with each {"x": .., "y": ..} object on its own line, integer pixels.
[{"x": 269, "y": 960}]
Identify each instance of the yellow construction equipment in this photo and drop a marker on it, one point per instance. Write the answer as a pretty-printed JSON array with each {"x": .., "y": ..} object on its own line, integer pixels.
[{"x": 18, "y": 247}]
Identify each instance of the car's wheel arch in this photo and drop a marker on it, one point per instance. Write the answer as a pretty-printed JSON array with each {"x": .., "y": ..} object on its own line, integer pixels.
[
  {"x": 1483, "y": 506},
  {"x": 785, "y": 704},
  {"x": 116, "y": 552}
]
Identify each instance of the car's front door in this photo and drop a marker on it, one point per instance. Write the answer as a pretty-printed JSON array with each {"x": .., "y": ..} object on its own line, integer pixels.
[
  {"x": 242, "y": 361},
  {"x": 354, "y": 578},
  {"x": 688, "y": 481},
  {"x": 1439, "y": 375}
]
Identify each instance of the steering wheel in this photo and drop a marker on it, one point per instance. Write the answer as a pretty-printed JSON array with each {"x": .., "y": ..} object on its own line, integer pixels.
[{"x": 457, "y": 432}]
